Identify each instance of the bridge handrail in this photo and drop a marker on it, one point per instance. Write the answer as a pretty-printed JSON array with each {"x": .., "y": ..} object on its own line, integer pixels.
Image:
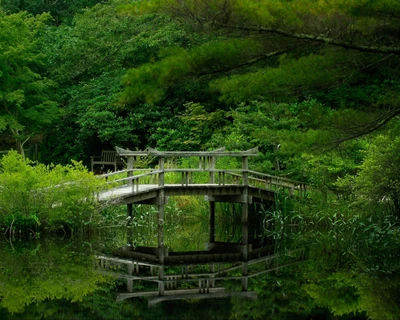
[
  {"x": 275, "y": 177},
  {"x": 254, "y": 176},
  {"x": 110, "y": 174},
  {"x": 152, "y": 172}
]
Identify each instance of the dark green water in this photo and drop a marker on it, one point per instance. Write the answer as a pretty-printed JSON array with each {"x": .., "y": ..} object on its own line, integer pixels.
[{"x": 60, "y": 278}]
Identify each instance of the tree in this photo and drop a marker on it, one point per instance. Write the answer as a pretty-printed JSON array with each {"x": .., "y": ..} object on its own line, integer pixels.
[
  {"x": 60, "y": 10},
  {"x": 89, "y": 59},
  {"x": 282, "y": 51},
  {"x": 26, "y": 106},
  {"x": 377, "y": 185}
]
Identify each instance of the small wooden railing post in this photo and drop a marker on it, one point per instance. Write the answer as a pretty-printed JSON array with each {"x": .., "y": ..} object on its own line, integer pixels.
[
  {"x": 245, "y": 169},
  {"x": 161, "y": 174},
  {"x": 130, "y": 167},
  {"x": 211, "y": 166},
  {"x": 137, "y": 184}
]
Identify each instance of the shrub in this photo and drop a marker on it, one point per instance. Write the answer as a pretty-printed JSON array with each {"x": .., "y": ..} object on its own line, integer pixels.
[{"x": 53, "y": 196}]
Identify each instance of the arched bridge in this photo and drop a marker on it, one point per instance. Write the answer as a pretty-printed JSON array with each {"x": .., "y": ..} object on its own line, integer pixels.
[
  {"x": 176, "y": 176},
  {"x": 150, "y": 186}
]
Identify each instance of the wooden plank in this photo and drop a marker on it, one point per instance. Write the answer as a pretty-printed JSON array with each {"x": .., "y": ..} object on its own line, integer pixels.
[{"x": 229, "y": 198}]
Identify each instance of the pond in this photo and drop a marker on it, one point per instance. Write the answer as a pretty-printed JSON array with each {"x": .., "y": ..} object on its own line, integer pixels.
[{"x": 65, "y": 277}]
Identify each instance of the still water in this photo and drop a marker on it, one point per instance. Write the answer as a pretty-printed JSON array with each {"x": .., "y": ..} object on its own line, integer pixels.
[{"x": 61, "y": 278}]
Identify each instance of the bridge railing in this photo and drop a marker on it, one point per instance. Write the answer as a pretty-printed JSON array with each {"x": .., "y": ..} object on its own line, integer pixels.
[
  {"x": 186, "y": 177},
  {"x": 275, "y": 183}
]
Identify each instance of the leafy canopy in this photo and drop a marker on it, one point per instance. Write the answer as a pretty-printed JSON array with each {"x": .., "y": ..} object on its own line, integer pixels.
[{"x": 26, "y": 106}]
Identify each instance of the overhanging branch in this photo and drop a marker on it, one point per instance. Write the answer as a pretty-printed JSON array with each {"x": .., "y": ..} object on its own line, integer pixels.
[
  {"x": 368, "y": 127},
  {"x": 319, "y": 38}
]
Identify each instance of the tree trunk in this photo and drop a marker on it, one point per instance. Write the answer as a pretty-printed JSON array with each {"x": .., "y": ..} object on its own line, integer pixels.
[{"x": 20, "y": 146}]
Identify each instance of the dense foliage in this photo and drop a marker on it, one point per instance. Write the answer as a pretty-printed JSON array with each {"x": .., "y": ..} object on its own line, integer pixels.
[
  {"x": 26, "y": 105},
  {"x": 52, "y": 197}
]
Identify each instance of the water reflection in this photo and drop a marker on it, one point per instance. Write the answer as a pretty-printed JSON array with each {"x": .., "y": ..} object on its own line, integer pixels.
[
  {"x": 63, "y": 279},
  {"x": 53, "y": 278},
  {"x": 34, "y": 271}
]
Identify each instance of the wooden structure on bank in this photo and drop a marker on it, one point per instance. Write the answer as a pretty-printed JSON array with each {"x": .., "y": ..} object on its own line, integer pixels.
[
  {"x": 149, "y": 186},
  {"x": 154, "y": 186}
]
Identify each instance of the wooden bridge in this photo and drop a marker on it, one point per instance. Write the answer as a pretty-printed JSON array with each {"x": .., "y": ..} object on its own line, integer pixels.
[
  {"x": 154, "y": 186},
  {"x": 148, "y": 186}
]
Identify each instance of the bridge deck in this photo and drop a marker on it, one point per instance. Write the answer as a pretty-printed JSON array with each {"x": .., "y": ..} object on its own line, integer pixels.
[
  {"x": 233, "y": 185},
  {"x": 222, "y": 193}
]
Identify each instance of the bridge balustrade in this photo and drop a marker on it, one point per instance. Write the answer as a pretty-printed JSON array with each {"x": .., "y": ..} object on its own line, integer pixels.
[
  {"x": 168, "y": 174},
  {"x": 187, "y": 177}
]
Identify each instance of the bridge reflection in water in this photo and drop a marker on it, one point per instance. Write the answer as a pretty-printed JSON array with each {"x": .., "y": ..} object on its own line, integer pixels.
[{"x": 174, "y": 274}]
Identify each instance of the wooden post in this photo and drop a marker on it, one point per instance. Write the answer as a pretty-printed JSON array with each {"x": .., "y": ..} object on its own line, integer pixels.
[
  {"x": 212, "y": 221},
  {"x": 161, "y": 250},
  {"x": 245, "y": 208},
  {"x": 161, "y": 226},
  {"x": 245, "y": 169},
  {"x": 129, "y": 285},
  {"x": 130, "y": 167},
  {"x": 245, "y": 279},
  {"x": 245, "y": 225},
  {"x": 211, "y": 166},
  {"x": 161, "y": 174},
  {"x": 245, "y": 221},
  {"x": 130, "y": 268},
  {"x": 212, "y": 270},
  {"x": 129, "y": 211}
]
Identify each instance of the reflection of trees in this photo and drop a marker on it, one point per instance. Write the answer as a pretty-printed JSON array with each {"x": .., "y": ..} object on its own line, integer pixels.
[{"x": 33, "y": 272}]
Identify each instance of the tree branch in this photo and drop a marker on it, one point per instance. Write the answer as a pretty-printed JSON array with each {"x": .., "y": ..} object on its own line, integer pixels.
[
  {"x": 366, "y": 128},
  {"x": 319, "y": 38},
  {"x": 247, "y": 63}
]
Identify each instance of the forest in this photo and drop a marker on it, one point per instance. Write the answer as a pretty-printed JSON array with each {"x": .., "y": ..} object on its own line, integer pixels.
[{"x": 314, "y": 84}]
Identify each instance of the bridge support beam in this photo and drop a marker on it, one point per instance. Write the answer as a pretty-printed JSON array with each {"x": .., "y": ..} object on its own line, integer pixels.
[
  {"x": 230, "y": 198},
  {"x": 245, "y": 207},
  {"x": 129, "y": 209},
  {"x": 161, "y": 205},
  {"x": 161, "y": 250}
]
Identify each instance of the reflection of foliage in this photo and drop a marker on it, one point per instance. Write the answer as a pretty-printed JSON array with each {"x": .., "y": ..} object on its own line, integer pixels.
[
  {"x": 352, "y": 257},
  {"x": 335, "y": 292},
  {"x": 280, "y": 296},
  {"x": 101, "y": 305},
  {"x": 35, "y": 272},
  {"x": 183, "y": 226},
  {"x": 379, "y": 296}
]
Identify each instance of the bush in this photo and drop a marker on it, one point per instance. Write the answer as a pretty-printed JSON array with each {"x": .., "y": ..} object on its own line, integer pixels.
[{"x": 34, "y": 195}]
